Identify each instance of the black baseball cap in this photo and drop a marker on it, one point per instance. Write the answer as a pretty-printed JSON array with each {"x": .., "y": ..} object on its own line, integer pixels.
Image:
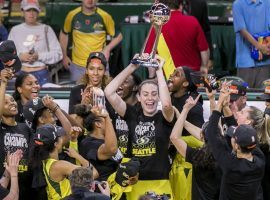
[
  {"x": 98, "y": 55},
  {"x": 237, "y": 89},
  {"x": 8, "y": 52},
  {"x": 266, "y": 95},
  {"x": 127, "y": 170},
  {"x": 30, "y": 110},
  {"x": 48, "y": 134},
  {"x": 245, "y": 135}
]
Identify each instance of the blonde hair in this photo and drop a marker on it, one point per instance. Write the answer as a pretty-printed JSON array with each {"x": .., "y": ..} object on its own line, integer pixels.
[{"x": 261, "y": 123}]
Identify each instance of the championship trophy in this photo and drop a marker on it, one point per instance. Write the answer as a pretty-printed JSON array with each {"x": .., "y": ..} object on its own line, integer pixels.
[
  {"x": 159, "y": 15},
  {"x": 99, "y": 99}
]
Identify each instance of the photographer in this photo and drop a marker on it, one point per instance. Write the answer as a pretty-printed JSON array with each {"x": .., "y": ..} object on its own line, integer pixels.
[{"x": 83, "y": 186}]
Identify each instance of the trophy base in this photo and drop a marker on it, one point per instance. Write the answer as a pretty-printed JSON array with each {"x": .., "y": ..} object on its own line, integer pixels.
[{"x": 145, "y": 62}]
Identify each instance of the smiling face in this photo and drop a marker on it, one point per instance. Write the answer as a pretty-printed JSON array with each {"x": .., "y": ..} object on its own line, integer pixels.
[
  {"x": 126, "y": 89},
  {"x": 95, "y": 73},
  {"x": 149, "y": 97},
  {"x": 29, "y": 89},
  {"x": 10, "y": 107},
  {"x": 242, "y": 116},
  {"x": 176, "y": 80}
]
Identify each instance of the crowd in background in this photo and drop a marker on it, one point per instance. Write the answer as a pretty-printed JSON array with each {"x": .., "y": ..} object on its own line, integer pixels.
[{"x": 127, "y": 138}]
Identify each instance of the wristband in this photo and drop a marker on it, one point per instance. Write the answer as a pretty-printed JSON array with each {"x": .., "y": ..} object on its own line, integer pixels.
[{"x": 55, "y": 108}]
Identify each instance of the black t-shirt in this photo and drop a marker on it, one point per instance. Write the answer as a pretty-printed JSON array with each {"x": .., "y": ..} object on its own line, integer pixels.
[
  {"x": 89, "y": 148},
  {"x": 150, "y": 141},
  {"x": 11, "y": 139},
  {"x": 121, "y": 129},
  {"x": 266, "y": 178},
  {"x": 3, "y": 192},
  {"x": 195, "y": 115},
  {"x": 241, "y": 178},
  {"x": 205, "y": 182},
  {"x": 75, "y": 97},
  {"x": 19, "y": 117}
]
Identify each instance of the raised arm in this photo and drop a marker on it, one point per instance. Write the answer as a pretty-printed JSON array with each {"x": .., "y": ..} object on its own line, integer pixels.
[
  {"x": 219, "y": 147},
  {"x": 49, "y": 103},
  {"x": 114, "y": 99},
  {"x": 176, "y": 134},
  {"x": 6, "y": 74},
  {"x": 193, "y": 130},
  {"x": 12, "y": 168},
  {"x": 109, "y": 148},
  {"x": 164, "y": 94}
]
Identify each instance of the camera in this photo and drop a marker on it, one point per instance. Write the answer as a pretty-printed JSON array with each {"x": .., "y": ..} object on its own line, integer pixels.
[
  {"x": 103, "y": 185},
  {"x": 154, "y": 196}
]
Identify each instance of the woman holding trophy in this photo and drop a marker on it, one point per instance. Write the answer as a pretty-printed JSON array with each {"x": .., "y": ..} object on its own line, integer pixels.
[{"x": 149, "y": 128}]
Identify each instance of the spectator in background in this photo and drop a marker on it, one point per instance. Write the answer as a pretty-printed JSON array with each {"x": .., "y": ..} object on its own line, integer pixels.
[
  {"x": 198, "y": 9},
  {"x": 37, "y": 44},
  {"x": 251, "y": 17},
  {"x": 89, "y": 27},
  {"x": 10, "y": 176},
  {"x": 83, "y": 186},
  {"x": 266, "y": 96},
  {"x": 3, "y": 35},
  {"x": 181, "y": 43},
  {"x": 3, "y": 30}
]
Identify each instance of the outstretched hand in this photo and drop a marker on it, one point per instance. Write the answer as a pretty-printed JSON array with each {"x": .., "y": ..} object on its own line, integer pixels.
[
  {"x": 160, "y": 61},
  {"x": 190, "y": 102},
  {"x": 224, "y": 92}
]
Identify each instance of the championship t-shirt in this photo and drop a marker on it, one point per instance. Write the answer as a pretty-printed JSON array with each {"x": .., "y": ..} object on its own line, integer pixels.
[
  {"x": 89, "y": 150},
  {"x": 121, "y": 129},
  {"x": 150, "y": 142},
  {"x": 11, "y": 139}
]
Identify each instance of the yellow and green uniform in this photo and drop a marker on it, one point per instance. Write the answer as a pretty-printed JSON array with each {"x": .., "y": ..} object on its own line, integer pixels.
[
  {"x": 181, "y": 172},
  {"x": 55, "y": 190},
  {"x": 88, "y": 32}
]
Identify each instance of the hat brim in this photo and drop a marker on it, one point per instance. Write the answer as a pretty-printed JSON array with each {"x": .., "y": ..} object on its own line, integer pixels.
[
  {"x": 263, "y": 97},
  {"x": 60, "y": 131},
  {"x": 234, "y": 97},
  {"x": 16, "y": 66},
  {"x": 230, "y": 131},
  {"x": 28, "y": 7}
]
